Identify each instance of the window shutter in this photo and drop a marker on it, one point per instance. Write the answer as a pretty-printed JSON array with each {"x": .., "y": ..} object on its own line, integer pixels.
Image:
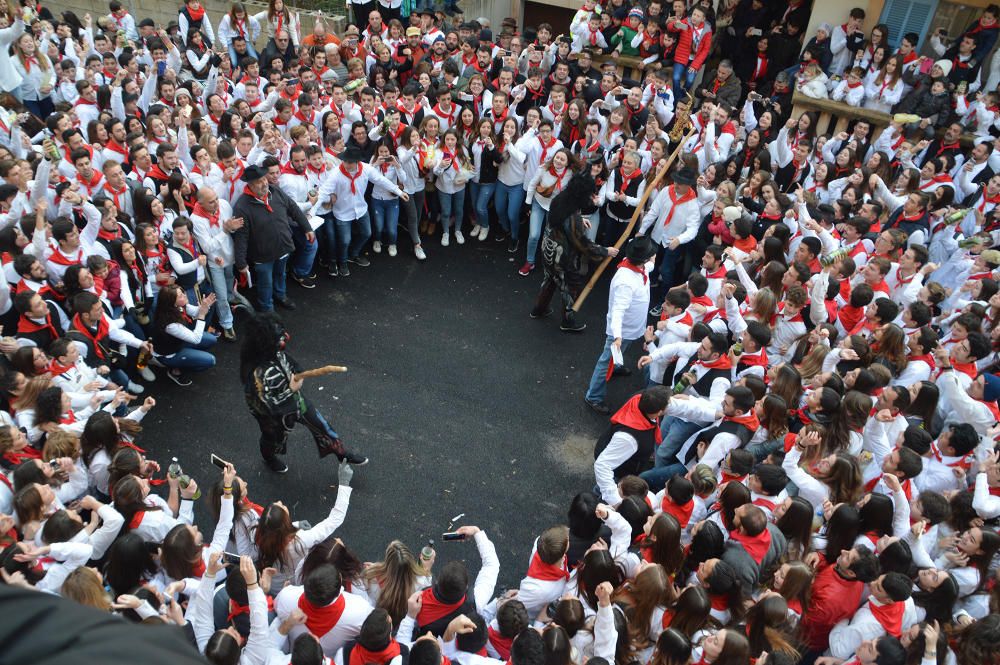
[{"x": 903, "y": 16}]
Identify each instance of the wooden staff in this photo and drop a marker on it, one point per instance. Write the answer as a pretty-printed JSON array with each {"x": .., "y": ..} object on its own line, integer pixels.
[
  {"x": 631, "y": 225},
  {"x": 320, "y": 371}
]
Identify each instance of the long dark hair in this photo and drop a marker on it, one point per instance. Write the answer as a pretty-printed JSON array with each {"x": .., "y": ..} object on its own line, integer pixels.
[
  {"x": 272, "y": 534},
  {"x": 707, "y": 544},
  {"x": 842, "y": 530},
  {"x": 796, "y": 524},
  {"x": 167, "y": 311},
  {"x": 100, "y": 433},
  {"x": 261, "y": 342},
  {"x": 129, "y": 562},
  {"x": 938, "y": 603},
  {"x": 597, "y": 566}
]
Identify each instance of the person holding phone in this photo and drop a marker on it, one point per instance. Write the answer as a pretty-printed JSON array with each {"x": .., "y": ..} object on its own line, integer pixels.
[{"x": 385, "y": 204}]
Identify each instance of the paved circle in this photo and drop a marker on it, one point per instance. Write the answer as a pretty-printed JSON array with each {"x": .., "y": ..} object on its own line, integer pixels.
[{"x": 463, "y": 404}]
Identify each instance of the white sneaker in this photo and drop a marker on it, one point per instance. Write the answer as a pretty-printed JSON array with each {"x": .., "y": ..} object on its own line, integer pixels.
[
  {"x": 459, "y": 237},
  {"x": 135, "y": 389},
  {"x": 445, "y": 239},
  {"x": 392, "y": 250},
  {"x": 147, "y": 374},
  {"x": 419, "y": 252},
  {"x": 483, "y": 232},
  {"x": 377, "y": 247},
  {"x": 475, "y": 231}
]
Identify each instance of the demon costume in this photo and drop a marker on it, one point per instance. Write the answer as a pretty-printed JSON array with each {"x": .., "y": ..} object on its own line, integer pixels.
[
  {"x": 566, "y": 251},
  {"x": 267, "y": 373}
]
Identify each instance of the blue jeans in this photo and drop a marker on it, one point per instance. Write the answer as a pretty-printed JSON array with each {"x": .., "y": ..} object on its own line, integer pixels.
[
  {"x": 598, "y": 388},
  {"x": 683, "y": 80},
  {"x": 535, "y": 225},
  {"x": 482, "y": 192},
  {"x": 668, "y": 267},
  {"x": 352, "y": 234},
  {"x": 508, "y": 200},
  {"x": 222, "y": 283},
  {"x": 452, "y": 204},
  {"x": 386, "y": 218},
  {"x": 305, "y": 253},
  {"x": 270, "y": 282},
  {"x": 326, "y": 238},
  {"x": 195, "y": 358},
  {"x": 666, "y": 465}
]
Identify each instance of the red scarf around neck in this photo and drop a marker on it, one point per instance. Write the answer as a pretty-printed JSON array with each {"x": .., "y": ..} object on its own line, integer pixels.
[
  {"x": 630, "y": 416},
  {"x": 547, "y": 572},
  {"x": 321, "y": 620},
  {"x": 433, "y": 609},
  {"x": 890, "y": 616},
  {"x": 756, "y": 546},
  {"x": 362, "y": 656}
]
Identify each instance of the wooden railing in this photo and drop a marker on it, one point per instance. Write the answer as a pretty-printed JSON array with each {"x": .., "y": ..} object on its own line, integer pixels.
[
  {"x": 628, "y": 67},
  {"x": 835, "y": 116}
]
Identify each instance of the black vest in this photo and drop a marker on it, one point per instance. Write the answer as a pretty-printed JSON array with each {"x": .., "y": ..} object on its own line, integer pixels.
[
  {"x": 621, "y": 209},
  {"x": 646, "y": 440},
  {"x": 188, "y": 280},
  {"x": 703, "y": 386},
  {"x": 784, "y": 177},
  {"x": 165, "y": 343},
  {"x": 741, "y": 431}
]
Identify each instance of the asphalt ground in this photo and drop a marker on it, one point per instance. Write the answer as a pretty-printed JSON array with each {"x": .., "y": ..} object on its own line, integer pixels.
[{"x": 461, "y": 401}]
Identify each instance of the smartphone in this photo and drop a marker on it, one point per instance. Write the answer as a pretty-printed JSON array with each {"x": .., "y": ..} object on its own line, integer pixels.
[
  {"x": 452, "y": 535},
  {"x": 219, "y": 462},
  {"x": 161, "y": 67},
  {"x": 54, "y": 463},
  {"x": 230, "y": 558}
]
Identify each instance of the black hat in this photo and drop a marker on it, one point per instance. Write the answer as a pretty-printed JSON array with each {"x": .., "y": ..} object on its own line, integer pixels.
[
  {"x": 352, "y": 155},
  {"x": 427, "y": 12},
  {"x": 685, "y": 176},
  {"x": 147, "y": 23},
  {"x": 640, "y": 250},
  {"x": 253, "y": 172}
]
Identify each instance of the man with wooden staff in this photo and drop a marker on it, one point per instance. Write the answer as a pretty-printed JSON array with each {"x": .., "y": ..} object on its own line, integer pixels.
[
  {"x": 272, "y": 385},
  {"x": 628, "y": 299},
  {"x": 674, "y": 218}
]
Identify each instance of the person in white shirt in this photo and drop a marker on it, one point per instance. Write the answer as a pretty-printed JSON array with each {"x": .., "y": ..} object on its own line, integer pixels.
[
  {"x": 213, "y": 222},
  {"x": 628, "y": 301},
  {"x": 342, "y": 197},
  {"x": 672, "y": 221}
]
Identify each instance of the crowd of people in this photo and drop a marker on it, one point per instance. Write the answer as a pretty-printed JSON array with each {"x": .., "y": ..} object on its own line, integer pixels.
[{"x": 808, "y": 473}]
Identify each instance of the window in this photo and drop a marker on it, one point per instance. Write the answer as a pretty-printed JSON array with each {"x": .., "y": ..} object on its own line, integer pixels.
[{"x": 903, "y": 16}]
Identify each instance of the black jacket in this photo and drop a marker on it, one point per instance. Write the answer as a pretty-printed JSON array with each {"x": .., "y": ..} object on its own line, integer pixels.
[{"x": 266, "y": 235}]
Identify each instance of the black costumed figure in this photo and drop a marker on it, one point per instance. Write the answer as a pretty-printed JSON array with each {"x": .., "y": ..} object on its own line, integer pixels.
[
  {"x": 274, "y": 395},
  {"x": 567, "y": 251}
]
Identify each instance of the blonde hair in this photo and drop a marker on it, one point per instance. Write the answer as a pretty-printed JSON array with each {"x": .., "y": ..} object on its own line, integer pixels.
[
  {"x": 29, "y": 396},
  {"x": 396, "y": 575},
  {"x": 61, "y": 444},
  {"x": 43, "y": 60},
  {"x": 85, "y": 586}
]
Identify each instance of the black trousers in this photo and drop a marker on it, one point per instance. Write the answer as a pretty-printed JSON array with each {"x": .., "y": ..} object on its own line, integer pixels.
[{"x": 274, "y": 433}]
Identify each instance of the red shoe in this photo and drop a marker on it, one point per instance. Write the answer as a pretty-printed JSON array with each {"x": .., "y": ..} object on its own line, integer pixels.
[{"x": 526, "y": 269}]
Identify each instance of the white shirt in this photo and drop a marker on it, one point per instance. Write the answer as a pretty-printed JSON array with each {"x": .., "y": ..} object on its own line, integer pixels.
[
  {"x": 683, "y": 224},
  {"x": 349, "y": 205},
  {"x": 628, "y": 304},
  {"x": 347, "y": 628}
]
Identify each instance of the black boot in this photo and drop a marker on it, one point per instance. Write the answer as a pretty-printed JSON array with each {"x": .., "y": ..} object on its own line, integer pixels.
[{"x": 570, "y": 324}]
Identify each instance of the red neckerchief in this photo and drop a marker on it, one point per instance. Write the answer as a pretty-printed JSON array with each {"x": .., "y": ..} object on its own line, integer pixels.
[
  {"x": 969, "y": 369},
  {"x": 196, "y": 14},
  {"x": 545, "y": 148},
  {"x": 630, "y": 416},
  {"x": 756, "y": 546},
  {"x": 758, "y": 359},
  {"x": 627, "y": 179},
  {"x": 904, "y": 485},
  {"x": 722, "y": 362},
  {"x": 589, "y": 149},
  {"x": 199, "y": 211},
  {"x": 559, "y": 178},
  {"x": 115, "y": 193},
  {"x": 321, "y": 620},
  {"x": 682, "y": 513},
  {"x": 95, "y": 179},
  {"x": 249, "y": 192},
  {"x": 628, "y": 265},
  {"x": 548, "y": 572},
  {"x": 362, "y": 656},
  {"x": 995, "y": 200},
  {"x": 140, "y": 274},
  {"x": 927, "y": 358},
  {"x": 290, "y": 170},
  {"x": 433, "y": 609},
  {"x": 500, "y": 643},
  {"x": 136, "y": 520},
  {"x": 255, "y": 507},
  {"x": 676, "y": 201},
  {"x": 28, "y": 61},
  {"x": 104, "y": 234},
  {"x": 235, "y": 609},
  {"x": 889, "y": 616},
  {"x": 964, "y": 462},
  {"x": 156, "y": 173},
  {"x": 67, "y": 418},
  {"x": 353, "y": 178},
  {"x": 56, "y": 369},
  {"x": 115, "y": 146},
  {"x": 764, "y": 503},
  {"x": 26, "y": 325},
  {"x": 760, "y": 68},
  {"x": 23, "y": 455},
  {"x": 439, "y": 112},
  {"x": 304, "y": 120}
]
